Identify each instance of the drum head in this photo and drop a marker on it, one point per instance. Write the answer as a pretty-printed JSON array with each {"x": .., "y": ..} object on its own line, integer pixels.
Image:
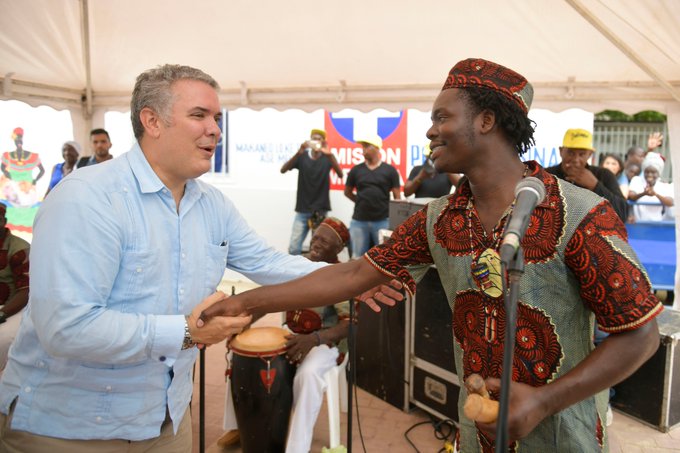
[{"x": 260, "y": 339}]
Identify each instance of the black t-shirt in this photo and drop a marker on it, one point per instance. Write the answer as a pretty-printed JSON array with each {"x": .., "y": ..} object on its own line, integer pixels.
[
  {"x": 434, "y": 187},
  {"x": 373, "y": 190},
  {"x": 313, "y": 183},
  {"x": 607, "y": 187}
]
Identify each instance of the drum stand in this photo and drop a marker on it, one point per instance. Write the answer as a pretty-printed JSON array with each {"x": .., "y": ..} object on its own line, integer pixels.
[{"x": 201, "y": 402}]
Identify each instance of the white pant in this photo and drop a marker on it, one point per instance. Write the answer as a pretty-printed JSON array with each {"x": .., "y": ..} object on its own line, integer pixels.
[
  {"x": 8, "y": 330},
  {"x": 308, "y": 392}
]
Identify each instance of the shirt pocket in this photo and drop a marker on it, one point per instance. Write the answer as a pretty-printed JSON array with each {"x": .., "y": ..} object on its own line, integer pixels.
[
  {"x": 137, "y": 285},
  {"x": 215, "y": 264}
]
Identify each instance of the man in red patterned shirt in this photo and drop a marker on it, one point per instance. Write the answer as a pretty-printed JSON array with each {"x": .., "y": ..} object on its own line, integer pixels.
[
  {"x": 579, "y": 268},
  {"x": 13, "y": 284}
]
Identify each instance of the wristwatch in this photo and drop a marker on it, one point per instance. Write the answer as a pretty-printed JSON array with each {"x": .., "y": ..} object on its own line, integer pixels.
[{"x": 187, "y": 343}]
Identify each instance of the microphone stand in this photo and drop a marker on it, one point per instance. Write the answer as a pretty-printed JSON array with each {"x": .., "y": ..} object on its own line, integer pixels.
[
  {"x": 351, "y": 347},
  {"x": 514, "y": 268}
]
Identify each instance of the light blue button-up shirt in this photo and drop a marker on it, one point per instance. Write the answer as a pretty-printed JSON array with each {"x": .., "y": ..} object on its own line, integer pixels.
[{"x": 114, "y": 269}]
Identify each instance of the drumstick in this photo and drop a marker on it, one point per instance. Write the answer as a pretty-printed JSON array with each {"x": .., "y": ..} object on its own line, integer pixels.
[
  {"x": 478, "y": 405},
  {"x": 480, "y": 409}
]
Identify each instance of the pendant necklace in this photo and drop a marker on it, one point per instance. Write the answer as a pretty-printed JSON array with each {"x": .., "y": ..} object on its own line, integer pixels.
[{"x": 486, "y": 266}]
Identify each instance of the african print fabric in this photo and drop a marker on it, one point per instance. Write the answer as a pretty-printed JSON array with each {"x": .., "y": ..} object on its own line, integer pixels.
[{"x": 578, "y": 265}]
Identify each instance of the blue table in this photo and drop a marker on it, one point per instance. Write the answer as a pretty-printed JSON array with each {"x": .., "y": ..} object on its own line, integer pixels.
[{"x": 654, "y": 244}]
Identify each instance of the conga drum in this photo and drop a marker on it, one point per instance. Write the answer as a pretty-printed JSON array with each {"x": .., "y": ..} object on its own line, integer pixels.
[{"x": 262, "y": 388}]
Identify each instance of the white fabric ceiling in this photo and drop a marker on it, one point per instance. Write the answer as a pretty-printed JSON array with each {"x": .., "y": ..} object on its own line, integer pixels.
[
  {"x": 593, "y": 54},
  {"x": 355, "y": 53}
]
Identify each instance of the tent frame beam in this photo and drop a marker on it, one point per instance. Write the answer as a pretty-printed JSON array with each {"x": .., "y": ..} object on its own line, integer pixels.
[{"x": 623, "y": 47}]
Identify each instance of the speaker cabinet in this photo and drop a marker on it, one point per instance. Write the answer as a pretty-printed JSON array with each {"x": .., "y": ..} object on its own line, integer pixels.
[
  {"x": 652, "y": 393},
  {"x": 434, "y": 381},
  {"x": 381, "y": 353}
]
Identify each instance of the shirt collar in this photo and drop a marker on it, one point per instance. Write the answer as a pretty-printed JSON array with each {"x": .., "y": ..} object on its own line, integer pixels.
[
  {"x": 148, "y": 180},
  {"x": 463, "y": 193}
]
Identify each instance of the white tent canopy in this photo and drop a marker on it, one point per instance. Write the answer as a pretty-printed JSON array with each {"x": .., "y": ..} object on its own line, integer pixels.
[
  {"x": 593, "y": 54},
  {"x": 622, "y": 54}
]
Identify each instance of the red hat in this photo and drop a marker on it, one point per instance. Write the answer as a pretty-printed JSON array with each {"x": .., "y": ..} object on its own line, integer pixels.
[
  {"x": 338, "y": 228},
  {"x": 476, "y": 72}
]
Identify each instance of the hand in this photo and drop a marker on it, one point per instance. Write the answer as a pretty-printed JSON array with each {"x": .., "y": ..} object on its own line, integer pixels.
[
  {"x": 649, "y": 190},
  {"x": 385, "y": 294},
  {"x": 220, "y": 326},
  {"x": 225, "y": 306},
  {"x": 654, "y": 140},
  {"x": 324, "y": 148},
  {"x": 425, "y": 173},
  {"x": 299, "y": 346},
  {"x": 526, "y": 409},
  {"x": 580, "y": 176}
]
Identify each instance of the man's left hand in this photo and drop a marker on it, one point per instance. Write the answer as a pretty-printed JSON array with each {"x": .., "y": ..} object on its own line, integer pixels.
[
  {"x": 299, "y": 346},
  {"x": 384, "y": 294},
  {"x": 526, "y": 409}
]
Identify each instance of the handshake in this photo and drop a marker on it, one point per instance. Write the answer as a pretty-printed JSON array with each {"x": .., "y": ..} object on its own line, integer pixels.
[{"x": 219, "y": 317}]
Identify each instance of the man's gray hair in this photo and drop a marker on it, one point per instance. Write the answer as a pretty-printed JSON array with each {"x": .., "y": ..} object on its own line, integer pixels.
[{"x": 153, "y": 90}]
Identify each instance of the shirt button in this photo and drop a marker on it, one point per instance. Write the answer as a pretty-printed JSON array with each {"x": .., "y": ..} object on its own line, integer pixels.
[
  {"x": 27, "y": 389},
  {"x": 162, "y": 358},
  {"x": 108, "y": 388},
  {"x": 184, "y": 255},
  {"x": 41, "y": 364},
  {"x": 181, "y": 291},
  {"x": 139, "y": 270},
  {"x": 99, "y": 419}
]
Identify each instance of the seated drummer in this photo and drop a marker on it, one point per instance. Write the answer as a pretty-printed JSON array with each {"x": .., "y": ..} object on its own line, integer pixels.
[{"x": 317, "y": 345}]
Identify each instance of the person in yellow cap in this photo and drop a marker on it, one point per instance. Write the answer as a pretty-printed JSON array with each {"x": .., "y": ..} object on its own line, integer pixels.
[
  {"x": 576, "y": 149},
  {"x": 578, "y": 267},
  {"x": 369, "y": 185},
  {"x": 314, "y": 161}
]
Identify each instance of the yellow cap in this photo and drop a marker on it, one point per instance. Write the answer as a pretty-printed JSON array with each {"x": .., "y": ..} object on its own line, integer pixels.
[
  {"x": 578, "y": 139},
  {"x": 374, "y": 140},
  {"x": 321, "y": 132}
]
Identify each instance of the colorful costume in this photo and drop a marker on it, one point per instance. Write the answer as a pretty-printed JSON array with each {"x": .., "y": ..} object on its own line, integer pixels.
[{"x": 578, "y": 263}]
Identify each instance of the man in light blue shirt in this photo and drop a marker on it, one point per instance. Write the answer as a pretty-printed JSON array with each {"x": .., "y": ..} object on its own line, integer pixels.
[{"x": 125, "y": 256}]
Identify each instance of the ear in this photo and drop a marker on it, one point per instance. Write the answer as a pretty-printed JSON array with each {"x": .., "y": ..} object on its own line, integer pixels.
[
  {"x": 151, "y": 121},
  {"x": 487, "y": 121},
  {"x": 338, "y": 248}
]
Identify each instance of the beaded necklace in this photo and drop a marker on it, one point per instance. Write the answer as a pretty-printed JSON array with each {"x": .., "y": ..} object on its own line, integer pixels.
[{"x": 486, "y": 266}]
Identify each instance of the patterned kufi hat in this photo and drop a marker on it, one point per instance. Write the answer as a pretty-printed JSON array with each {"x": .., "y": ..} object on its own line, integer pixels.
[
  {"x": 338, "y": 228},
  {"x": 476, "y": 72}
]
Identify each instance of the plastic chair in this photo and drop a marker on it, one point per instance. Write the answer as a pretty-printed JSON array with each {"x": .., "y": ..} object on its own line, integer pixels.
[{"x": 336, "y": 399}]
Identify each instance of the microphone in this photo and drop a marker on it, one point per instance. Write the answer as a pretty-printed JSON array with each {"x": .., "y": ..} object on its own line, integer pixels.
[{"x": 529, "y": 192}]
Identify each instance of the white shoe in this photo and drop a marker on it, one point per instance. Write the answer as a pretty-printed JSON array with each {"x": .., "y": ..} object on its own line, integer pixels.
[{"x": 610, "y": 416}]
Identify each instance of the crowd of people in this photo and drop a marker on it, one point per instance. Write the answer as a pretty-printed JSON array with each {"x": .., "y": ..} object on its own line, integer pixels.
[
  {"x": 639, "y": 175},
  {"x": 110, "y": 322}
]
